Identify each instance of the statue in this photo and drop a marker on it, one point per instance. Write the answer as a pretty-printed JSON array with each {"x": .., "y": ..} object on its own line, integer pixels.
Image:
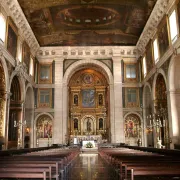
[
  {"x": 76, "y": 99},
  {"x": 88, "y": 125},
  {"x": 100, "y": 100}
]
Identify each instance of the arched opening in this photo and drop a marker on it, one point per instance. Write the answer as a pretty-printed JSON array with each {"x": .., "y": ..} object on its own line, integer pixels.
[
  {"x": 159, "y": 119},
  {"x": 29, "y": 114},
  {"x": 148, "y": 105},
  {"x": 132, "y": 129},
  {"x": 174, "y": 96},
  {"x": 15, "y": 115},
  {"x": 2, "y": 105},
  {"x": 44, "y": 131},
  {"x": 88, "y": 104}
]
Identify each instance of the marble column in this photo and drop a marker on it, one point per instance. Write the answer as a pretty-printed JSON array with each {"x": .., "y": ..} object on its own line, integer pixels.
[
  {"x": 117, "y": 126},
  {"x": 58, "y": 103}
]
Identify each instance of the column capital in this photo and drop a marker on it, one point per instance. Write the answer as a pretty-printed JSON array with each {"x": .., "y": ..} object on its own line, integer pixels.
[{"x": 117, "y": 59}]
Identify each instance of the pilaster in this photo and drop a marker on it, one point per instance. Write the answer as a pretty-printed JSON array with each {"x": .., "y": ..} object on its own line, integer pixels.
[
  {"x": 117, "y": 126},
  {"x": 58, "y": 103}
]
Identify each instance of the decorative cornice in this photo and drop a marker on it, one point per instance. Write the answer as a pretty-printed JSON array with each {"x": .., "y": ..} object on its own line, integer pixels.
[
  {"x": 156, "y": 16},
  {"x": 87, "y": 51},
  {"x": 13, "y": 9}
]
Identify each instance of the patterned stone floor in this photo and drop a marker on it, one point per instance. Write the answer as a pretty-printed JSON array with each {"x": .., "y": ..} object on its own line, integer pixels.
[{"x": 90, "y": 167}]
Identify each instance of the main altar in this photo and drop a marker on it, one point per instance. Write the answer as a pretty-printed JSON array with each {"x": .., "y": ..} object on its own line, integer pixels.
[
  {"x": 88, "y": 112},
  {"x": 81, "y": 139}
]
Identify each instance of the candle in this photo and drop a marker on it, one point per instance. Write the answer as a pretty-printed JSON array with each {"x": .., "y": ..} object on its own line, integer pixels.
[{"x": 14, "y": 123}]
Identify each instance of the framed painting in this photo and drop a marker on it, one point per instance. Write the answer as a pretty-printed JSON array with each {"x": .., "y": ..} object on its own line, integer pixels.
[
  {"x": 12, "y": 37},
  {"x": 26, "y": 55},
  {"x": 44, "y": 127},
  {"x": 149, "y": 57},
  {"x": 163, "y": 37},
  {"x": 88, "y": 98}
]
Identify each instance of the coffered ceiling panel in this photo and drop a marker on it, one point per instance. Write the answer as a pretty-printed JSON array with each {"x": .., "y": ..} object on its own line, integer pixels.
[{"x": 87, "y": 22}]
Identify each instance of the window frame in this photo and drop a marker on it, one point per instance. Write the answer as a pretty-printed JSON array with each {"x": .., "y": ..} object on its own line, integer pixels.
[
  {"x": 45, "y": 81},
  {"x": 172, "y": 41},
  {"x": 125, "y": 70},
  {"x": 132, "y": 104},
  {"x": 144, "y": 68},
  {"x": 44, "y": 105},
  {"x": 156, "y": 59},
  {"x": 5, "y": 30}
]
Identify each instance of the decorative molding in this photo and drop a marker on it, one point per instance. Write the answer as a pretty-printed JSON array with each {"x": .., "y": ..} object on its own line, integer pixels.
[
  {"x": 4, "y": 53},
  {"x": 13, "y": 9},
  {"x": 156, "y": 16},
  {"x": 87, "y": 51}
]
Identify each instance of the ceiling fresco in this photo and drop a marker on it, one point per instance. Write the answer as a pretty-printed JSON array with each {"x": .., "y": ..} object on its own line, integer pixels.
[{"x": 87, "y": 22}]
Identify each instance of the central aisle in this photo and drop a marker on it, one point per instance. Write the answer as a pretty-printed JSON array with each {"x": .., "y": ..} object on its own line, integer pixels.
[{"x": 90, "y": 167}]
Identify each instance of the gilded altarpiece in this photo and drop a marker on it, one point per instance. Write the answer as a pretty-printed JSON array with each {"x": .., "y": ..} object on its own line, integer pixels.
[
  {"x": 88, "y": 102},
  {"x": 2, "y": 99}
]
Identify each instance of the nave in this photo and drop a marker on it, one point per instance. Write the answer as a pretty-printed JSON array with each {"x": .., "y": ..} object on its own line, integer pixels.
[
  {"x": 89, "y": 166},
  {"x": 108, "y": 163}
]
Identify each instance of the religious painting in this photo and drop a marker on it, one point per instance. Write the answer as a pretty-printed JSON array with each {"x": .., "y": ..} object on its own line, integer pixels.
[
  {"x": 45, "y": 73},
  {"x": 44, "y": 127},
  {"x": 26, "y": 54},
  {"x": 163, "y": 38},
  {"x": 88, "y": 79},
  {"x": 132, "y": 126},
  {"x": 12, "y": 38},
  {"x": 88, "y": 98},
  {"x": 149, "y": 57}
]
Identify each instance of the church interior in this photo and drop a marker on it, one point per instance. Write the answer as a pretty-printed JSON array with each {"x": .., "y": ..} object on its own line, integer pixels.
[{"x": 90, "y": 73}]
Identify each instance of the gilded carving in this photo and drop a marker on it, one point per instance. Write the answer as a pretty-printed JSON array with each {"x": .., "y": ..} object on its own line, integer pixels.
[
  {"x": 88, "y": 103},
  {"x": 2, "y": 99}
]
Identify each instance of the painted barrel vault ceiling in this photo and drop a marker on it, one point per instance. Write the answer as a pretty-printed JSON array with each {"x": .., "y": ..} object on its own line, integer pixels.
[{"x": 87, "y": 22}]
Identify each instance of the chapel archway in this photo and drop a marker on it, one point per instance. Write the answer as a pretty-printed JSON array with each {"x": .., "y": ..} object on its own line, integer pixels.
[
  {"x": 174, "y": 105},
  {"x": 159, "y": 119},
  {"x": 15, "y": 115},
  {"x": 44, "y": 131},
  {"x": 88, "y": 104}
]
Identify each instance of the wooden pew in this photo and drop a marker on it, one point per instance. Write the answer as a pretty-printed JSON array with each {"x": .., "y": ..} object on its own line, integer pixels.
[
  {"x": 152, "y": 173},
  {"x": 24, "y": 175}
]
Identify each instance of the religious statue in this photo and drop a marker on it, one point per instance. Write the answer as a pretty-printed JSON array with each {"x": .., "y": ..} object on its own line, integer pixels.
[
  {"x": 100, "y": 100},
  {"x": 88, "y": 126},
  {"x": 76, "y": 99}
]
